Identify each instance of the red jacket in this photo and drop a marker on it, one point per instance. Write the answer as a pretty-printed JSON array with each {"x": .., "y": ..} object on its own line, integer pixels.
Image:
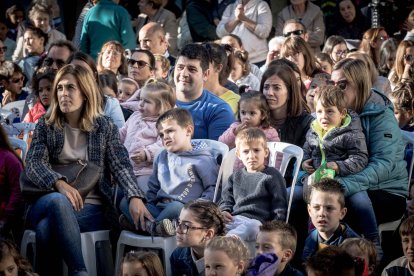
[{"x": 35, "y": 113}]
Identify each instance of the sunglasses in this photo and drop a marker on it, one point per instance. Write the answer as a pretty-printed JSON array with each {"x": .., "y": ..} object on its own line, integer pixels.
[
  {"x": 296, "y": 32},
  {"x": 342, "y": 84},
  {"x": 49, "y": 62},
  {"x": 141, "y": 64},
  {"x": 4, "y": 48},
  {"x": 17, "y": 80}
]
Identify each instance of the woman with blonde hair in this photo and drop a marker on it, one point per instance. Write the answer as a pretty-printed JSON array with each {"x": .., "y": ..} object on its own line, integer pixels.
[
  {"x": 372, "y": 42},
  {"x": 111, "y": 57},
  {"x": 403, "y": 65},
  {"x": 380, "y": 83},
  {"x": 74, "y": 130}
]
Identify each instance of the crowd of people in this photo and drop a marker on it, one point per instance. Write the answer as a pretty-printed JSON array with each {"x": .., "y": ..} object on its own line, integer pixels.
[{"x": 136, "y": 101}]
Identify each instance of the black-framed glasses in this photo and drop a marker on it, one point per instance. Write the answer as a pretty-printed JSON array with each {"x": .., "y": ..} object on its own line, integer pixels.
[
  {"x": 295, "y": 32},
  {"x": 49, "y": 62},
  {"x": 342, "y": 84},
  {"x": 21, "y": 79},
  {"x": 4, "y": 49},
  {"x": 183, "y": 228},
  {"x": 141, "y": 64}
]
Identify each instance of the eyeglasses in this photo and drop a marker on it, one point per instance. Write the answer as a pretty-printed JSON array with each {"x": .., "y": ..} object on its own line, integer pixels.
[
  {"x": 295, "y": 32},
  {"x": 183, "y": 228},
  {"x": 141, "y": 63},
  {"x": 3, "y": 49},
  {"x": 341, "y": 53},
  {"x": 113, "y": 52},
  {"x": 49, "y": 62},
  {"x": 342, "y": 84},
  {"x": 17, "y": 80},
  {"x": 408, "y": 58}
]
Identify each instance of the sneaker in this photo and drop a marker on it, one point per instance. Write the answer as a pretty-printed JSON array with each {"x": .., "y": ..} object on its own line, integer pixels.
[{"x": 164, "y": 228}]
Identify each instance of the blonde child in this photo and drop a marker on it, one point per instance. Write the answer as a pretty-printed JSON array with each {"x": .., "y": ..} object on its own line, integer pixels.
[
  {"x": 225, "y": 256},
  {"x": 162, "y": 67},
  {"x": 362, "y": 249},
  {"x": 405, "y": 264},
  {"x": 240, "y": 74},
  {"x": 199, "y": 222},
  {"x": 141, "y": 263},
  {"x": 252, "y": 111},
  {"x": 11, "y": 262},
  {"x": 140, "y": 135},
  {"x": 256, "y": 193},
  {"x": 325, "y": 62}
]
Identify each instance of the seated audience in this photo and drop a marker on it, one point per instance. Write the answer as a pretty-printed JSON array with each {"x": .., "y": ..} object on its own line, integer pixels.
[
  {"x": 241, "y": 74},
  {"x": 12, "y": 263},
  {"x": 326, "y": 209},
  {"x": 275, "y": 45},
  {"x": 256, "y": 193},
  {"x": 225, "y": 256},
  {"x": 403, "y": 69},
  {"x": 108, "y": 83},
  {"x": 325, "y": 62},
  {"x": 388, "y": 52},
  {"x": 336, "y": 48},
  {"x": 211, "y": 115},
  {"x": 405, "y": 264},
  {"x": 141, "y": 66},
  {"x": 11, "y": 78},
  {"x": 371, "y": 43},
  {"x": 199, "y": 222},
  {"x": 141, "y": 263},
  {"x": 189, "y": 164},
  {"x": 279, "y": 238},
  {"x": 111, "y": 57},
  {"x": 363, "y": 249},
  {"x": 162, "y": 67}
]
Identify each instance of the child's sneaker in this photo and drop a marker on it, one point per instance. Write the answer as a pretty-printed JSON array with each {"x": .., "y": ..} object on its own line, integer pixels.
[{"x": 164, "y": 228}]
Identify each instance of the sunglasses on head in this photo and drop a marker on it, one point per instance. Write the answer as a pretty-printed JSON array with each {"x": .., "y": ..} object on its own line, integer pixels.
[
  {"x": 296, "y": 32},
  {"x": 140, "y": 63},
  {"x": 17, "y": 80},
  {"x": 49, "y": 62},
  {"x": 342, "y": 84},
  {"x": 4, "y": 48}
]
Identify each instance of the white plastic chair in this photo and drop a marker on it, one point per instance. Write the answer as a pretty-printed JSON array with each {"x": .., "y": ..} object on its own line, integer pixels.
[
  {"x": 289, "y": 152},
  {"x": 17, "y": 143},
  {"x": 26, "y": 128},
  {"x": 408, "y": 138},
  {"x": 89, "y": 241},
  {"x": 167, "y": 245},
  {"x": 16, "y": 107}
]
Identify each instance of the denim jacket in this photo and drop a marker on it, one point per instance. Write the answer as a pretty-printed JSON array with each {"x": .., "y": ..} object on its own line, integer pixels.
[
  {"x": 182, "y": 263},
  {"x": 311, "y": 244}
]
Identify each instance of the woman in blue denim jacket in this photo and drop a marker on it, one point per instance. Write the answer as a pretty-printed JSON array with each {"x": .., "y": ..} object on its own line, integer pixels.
[{"x": 199, "y": 222}]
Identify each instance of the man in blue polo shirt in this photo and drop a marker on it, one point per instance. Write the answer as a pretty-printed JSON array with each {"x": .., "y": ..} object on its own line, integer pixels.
[{"x": 211, "y": 115}]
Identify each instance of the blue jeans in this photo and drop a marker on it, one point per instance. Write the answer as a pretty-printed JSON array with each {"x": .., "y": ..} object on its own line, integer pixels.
[
  {"x": 159, "y": 211},
  {"x": 58, "y": 229},
  {"x": 360, "y": 216}
]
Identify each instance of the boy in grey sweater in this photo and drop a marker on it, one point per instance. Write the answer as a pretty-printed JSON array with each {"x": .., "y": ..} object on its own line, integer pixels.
[{"x": 256, "y": 193}]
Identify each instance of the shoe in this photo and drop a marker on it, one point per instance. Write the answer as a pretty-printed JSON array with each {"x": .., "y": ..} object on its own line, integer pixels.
[
  {"x": 125, "y": 224},
  {"x": 163, "y": 228}
]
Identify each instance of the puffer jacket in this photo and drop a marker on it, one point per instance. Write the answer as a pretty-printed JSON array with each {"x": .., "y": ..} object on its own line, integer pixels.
[
  {"x": 344, "y": 145},
  {"x": 386, "y": 169},
  {"x": 140, "y": 133}
]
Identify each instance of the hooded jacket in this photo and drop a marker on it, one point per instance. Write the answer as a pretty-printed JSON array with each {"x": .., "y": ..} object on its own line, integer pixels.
[
  {"x": 183, "y": 176},
  {"x": 344, "y": 145},
  {"x": 386, "y": 169}
]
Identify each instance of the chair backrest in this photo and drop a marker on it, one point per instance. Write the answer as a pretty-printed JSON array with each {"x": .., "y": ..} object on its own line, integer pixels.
[
  {"x": 16, "y": 106},
  {"x": 226, "y": 169},
  {"x": 408, "y": 138},
  {"x": 218, "y": 149},
  {"x": 26, "y": 128},
  {"x": 17, "y": 143}
]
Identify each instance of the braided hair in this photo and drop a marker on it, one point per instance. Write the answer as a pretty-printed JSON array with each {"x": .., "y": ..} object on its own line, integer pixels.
[{"x": 208, "y": 215}]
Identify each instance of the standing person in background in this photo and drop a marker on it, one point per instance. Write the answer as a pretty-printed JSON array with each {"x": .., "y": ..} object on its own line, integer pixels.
[
  {"x": 251, "y": 20},
  {"x": 309, "y": 15},
  {"x": 200, "y": 20},
  {"x": 153, "y": 11},
  {"x": 114, "y": 24}
]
